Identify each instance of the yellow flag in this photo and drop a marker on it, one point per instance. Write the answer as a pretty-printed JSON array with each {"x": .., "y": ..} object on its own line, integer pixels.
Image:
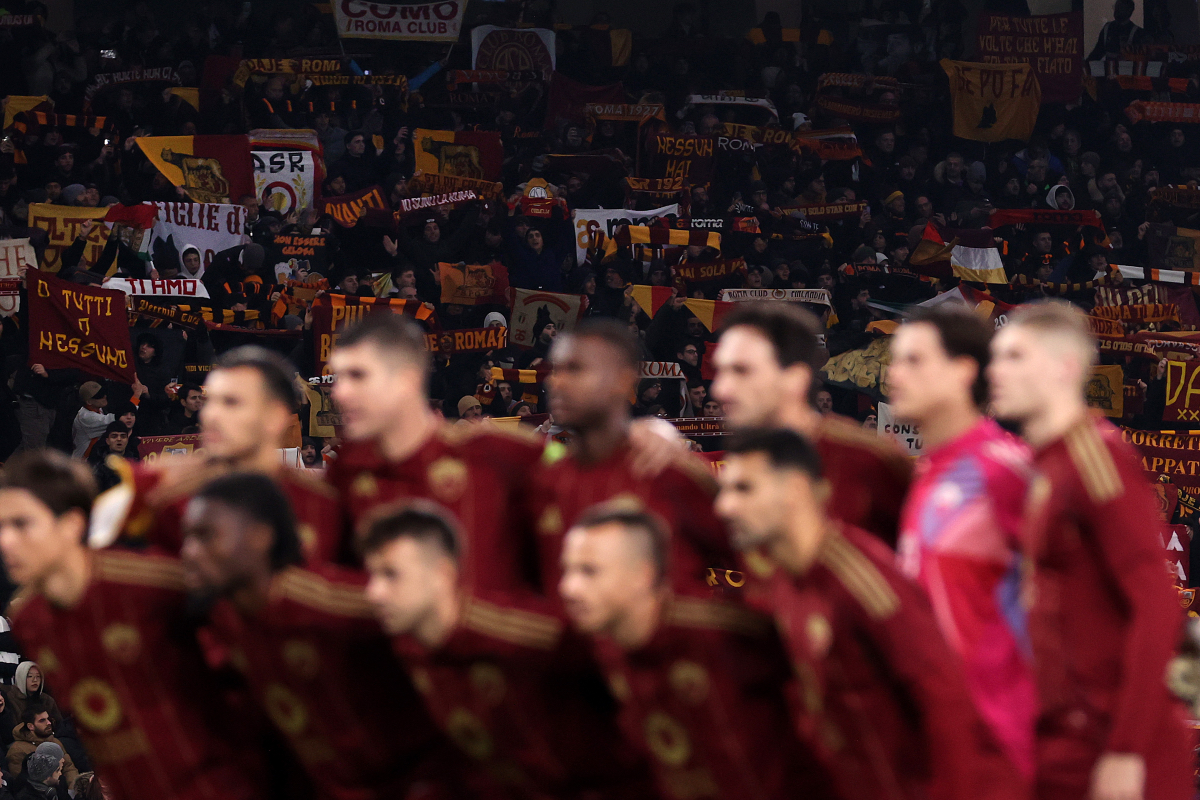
[
  {"x": 62, "y": 224},
  {"x": 1106, "y": 391},
  {"x": 22, "y": 102},
  {"x": 993, "y": 102}
]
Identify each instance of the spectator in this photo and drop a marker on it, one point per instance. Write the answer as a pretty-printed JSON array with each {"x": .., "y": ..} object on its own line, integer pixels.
[
  {"x": 27, "y": 687},
  {"x": 44, "y": 773},
  {"x": 91, "y": 420},
  {"x": 37, "y": 728},
  {"x": 185, "y": 417}
]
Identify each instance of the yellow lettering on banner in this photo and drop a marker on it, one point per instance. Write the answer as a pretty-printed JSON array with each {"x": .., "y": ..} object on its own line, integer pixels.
[
  {"x": 338, "y": 313},
  {"x": 85, "y": 325},
  {"x": 43, "y": 289},
  {"x": 1176, "y": 372}
]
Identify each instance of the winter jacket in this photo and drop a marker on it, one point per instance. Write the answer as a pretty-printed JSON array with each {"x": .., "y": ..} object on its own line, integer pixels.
[{"x": 24, "y": 743}]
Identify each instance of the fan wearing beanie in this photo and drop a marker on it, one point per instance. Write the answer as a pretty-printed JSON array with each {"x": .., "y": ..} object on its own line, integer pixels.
[{"x": 43, "y": 771}]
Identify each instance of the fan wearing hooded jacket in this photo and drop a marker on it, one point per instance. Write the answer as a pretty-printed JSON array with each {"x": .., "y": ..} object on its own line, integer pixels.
[{"x": 27, "y": 688}]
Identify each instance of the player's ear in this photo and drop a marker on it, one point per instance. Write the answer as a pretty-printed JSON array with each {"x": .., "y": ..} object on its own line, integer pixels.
[
  {"x": 822, "y": 491},
  {"x": 798, "y": 380}
]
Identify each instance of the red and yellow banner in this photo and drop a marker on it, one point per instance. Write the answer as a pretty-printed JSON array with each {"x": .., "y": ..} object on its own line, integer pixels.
[{"x": 76, "y": 326}]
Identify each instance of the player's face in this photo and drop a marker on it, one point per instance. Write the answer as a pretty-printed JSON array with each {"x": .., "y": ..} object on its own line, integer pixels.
[
  {"x": 33, "y": 681},
  {"x": 373, "y": 389},
  {"x": 401, "y": 583},
  {"x": 602, "y": 578},
  {"x": 588, "y": 381},
  {"x": 749, "y": 500},
  {"x": 32, "y": 539},
  {"x": 239, "y": 417},
  {"x": 1021, "y": 367},
  {"x": 220, "y": 548},
  {"x": 751, "y": 386},
  {"x": 922, "y": 377},
  {"x": 778, "y": 510}
]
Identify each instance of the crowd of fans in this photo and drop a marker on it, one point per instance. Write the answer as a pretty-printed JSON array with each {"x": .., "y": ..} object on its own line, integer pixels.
[{"x": 1083, "y": 155}]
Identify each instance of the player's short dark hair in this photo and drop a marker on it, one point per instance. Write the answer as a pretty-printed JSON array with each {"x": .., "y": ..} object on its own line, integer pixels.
[
  {"x": 791, "y": 330},
  {"x": 187, "y": 389},
  {"x": 57, "y": 481},
  {"x": 395, "y": 334},
  {"x": 613, "y": 333},
  {"x": 262, "y": 500},
  {"x": 426, "y": 522},
  {"x": 784, "y": 448},
  {"x": 962, "y": 334},
  {"x": 275, "y": 370},
  {"x": 34, "y": 710},
  {"x": 650, "y": 531}
]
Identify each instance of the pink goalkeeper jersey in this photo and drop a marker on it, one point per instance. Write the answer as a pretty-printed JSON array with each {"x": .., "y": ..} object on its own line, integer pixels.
[{"x": 959, "y": 539}]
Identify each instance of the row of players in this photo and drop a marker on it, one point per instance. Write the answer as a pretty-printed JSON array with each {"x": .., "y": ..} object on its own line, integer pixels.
[{"x": 598, "y": 621}]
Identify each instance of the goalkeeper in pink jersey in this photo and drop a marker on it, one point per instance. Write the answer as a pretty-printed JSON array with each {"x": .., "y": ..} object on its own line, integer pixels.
[{"x": 960, "y": 526}]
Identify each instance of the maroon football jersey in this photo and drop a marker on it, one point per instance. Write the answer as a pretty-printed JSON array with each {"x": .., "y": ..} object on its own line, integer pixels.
[
  {"x": 323, "y": 672},
  {"x": 125, "y": 662}
]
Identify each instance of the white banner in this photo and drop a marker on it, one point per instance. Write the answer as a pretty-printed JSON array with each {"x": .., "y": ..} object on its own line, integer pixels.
[
  {"x": 726, "y": 100},
  {"x": 818, "y": 297},
  {"x": 14, "y": 254},
  {"x": 606, "y": 220},
  {"x": 179, "y": 287},
  {"x": 209, "y": 227},
  {"x": 906, "y": 435},
  {"x": 532, "y": 307},
  {"x": 418, "y": 22},
  {"x": 283, "y": 179}
]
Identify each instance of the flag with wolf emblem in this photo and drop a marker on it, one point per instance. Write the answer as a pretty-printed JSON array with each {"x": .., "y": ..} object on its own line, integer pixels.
[{"x": 465, "y": 154}]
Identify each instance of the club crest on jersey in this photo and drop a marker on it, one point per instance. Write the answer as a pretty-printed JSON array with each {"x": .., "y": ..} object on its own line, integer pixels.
[
  {"x": 364, "y": 485},
  {"x": 447, "y": 478},
  {"x": 689, "y": 681},
  {"x": 667, "y": 739},
  {"x": 302, "y": 658},
  {"x": 122, "y": 641},
  {"x": 287, "y": 711},
  {"x": 551, "y": 522},
  {"x": 96, "y": 705},
  {"x": 819, "y": 633},
  {"x": 466, "y": 731},
  {"x": 488, "y": 683}
]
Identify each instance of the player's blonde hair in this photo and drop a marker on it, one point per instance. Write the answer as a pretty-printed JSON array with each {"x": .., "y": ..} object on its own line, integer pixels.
[{"x": 1059, "y": 320}]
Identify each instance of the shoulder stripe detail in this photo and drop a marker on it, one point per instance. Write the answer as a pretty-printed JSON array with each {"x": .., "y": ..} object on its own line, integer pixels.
[
  {"x": 860, "y": 577},
  {"x": 512, "y": 625},
  {"x": 140, "y": 570},
  {"x": 1094, "y": 463},
  {"x": 692, "y": 612},
  {"x": 698, "y": 471},
  {"x": 315, "y": 592},
  {"x": 309, "y": 482}
]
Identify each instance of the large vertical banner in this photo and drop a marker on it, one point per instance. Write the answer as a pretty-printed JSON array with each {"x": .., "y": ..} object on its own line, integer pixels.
[
  {"x": 72, "y": 326},
  {"x": 412, "y": 22},
  {"x": 1050, "y": 43},
  {"x": 288, "y": 169}
]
